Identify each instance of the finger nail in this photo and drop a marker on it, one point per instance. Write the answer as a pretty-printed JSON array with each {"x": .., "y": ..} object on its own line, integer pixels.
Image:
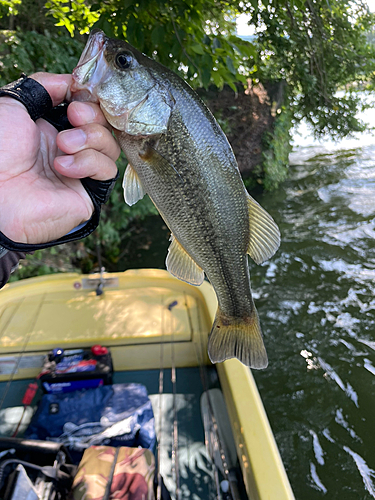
[
  {"x": 85, "y": 111},
  {"x": 65, "y": 161},
  {"x": 75, "y": 138}
]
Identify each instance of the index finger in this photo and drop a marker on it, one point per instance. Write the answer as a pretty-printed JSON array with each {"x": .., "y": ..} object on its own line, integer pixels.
[{"x": 56, "y": 85}]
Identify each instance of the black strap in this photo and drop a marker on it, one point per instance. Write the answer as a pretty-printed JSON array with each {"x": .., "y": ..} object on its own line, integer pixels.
[
  {"x": 39, "y": 105},
  {"x": 31, "y": 94},
  {"x": 37, "y": 102},
  {"x": 58, "y": 117},
  {"x": 8, "y": 262}
]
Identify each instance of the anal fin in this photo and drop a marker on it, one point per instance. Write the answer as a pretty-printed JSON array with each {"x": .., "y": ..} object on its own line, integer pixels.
[
  {"x": 264, "y": 233},
  {"x": 133, "y": 189},
  {"x": 181, "y": 265}
]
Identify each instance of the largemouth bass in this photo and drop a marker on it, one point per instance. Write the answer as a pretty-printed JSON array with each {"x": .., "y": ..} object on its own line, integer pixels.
[{"x": 181, "y": 158}]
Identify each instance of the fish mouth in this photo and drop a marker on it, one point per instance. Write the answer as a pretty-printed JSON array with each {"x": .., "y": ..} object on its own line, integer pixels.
[{"x": 91, "y": 69}]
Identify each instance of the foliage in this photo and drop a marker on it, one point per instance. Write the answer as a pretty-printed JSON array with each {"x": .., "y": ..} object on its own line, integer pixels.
[
  {"x": 276, "y": 150},
  {"x": 195, "y": 38},
  {"x": 30, "y": 41},
  {"x": 317, "y": 46},
  {"x": 30, "y": 52},
  {"x": 49, "y": 261},
  {"x": 9, "y": 7},
  {"x": 275, "y": 154}
]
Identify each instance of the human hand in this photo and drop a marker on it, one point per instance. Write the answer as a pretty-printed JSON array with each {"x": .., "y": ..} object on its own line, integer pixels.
[{"x": 41, "y": 196}]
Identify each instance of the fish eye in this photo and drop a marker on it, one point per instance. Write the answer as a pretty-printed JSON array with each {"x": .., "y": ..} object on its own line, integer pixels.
[{"x": 124, "y": 60}]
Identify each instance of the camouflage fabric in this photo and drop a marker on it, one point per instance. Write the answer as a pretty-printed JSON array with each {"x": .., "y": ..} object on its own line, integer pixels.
[{"x": 133, "y": 475}]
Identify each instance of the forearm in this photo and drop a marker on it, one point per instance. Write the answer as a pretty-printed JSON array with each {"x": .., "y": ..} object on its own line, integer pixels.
[{"x": 8, "y": 263}]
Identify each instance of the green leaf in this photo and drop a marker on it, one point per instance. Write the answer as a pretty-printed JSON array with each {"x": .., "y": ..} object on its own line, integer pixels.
[
  {"x": 130, "y": 30},
  {"x": 206, "y": 76},
  {"x": 207, "y": 61},
  {"x": 230, "y": 65},
  {"x": 158, "y": 35},
  {"x": 233, "y": 87},
  {"x": 216, "y": 43},
  {"x": 198, "y": 49},
  {"x": 218, "y": 80}
]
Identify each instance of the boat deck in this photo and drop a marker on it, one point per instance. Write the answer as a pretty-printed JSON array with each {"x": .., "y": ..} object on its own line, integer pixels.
[
  {"x": 149, "y": 320},
  {"x": 196, "y": 470}
]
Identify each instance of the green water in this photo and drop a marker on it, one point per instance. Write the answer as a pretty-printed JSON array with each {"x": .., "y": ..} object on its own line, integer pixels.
[{"x": 316, "y": 300}]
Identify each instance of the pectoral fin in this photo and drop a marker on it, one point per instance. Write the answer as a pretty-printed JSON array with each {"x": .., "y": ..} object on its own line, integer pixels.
[
  {"x": 181, "y": 265},
  {"x": 133, "y": 189},
  {"x": 264, "y": 233}
]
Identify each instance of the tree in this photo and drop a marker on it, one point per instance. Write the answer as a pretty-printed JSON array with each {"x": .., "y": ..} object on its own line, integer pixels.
[
  {"x": 195, "y": 38},
  {"x": 317, "y": 46}
]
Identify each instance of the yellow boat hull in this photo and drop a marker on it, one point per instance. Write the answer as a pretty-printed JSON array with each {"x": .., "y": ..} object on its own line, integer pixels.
[{"x": 141, "y": 315}]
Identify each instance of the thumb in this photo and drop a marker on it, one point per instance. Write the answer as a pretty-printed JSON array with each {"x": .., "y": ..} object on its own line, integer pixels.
[{"x": 56, "y": 85}]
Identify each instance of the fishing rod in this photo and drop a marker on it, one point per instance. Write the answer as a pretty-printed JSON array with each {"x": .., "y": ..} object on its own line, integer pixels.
[
  {"x": 161, "y": 389},
  {"x": 32, "y": 388},
  {"x": 211, "y": 436},
  {"x": 228, "y": 488},
  {"x": 207, "y": 440},
  {"x": 175, "y": 465}
]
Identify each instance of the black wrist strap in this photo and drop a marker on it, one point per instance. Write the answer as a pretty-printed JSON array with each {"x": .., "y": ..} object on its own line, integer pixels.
[
  {"x": 31, "y": 94},
  {"x": 39, "y": 105}
]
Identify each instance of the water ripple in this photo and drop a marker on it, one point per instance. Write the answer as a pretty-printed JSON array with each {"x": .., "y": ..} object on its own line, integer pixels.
[
  {"x": 316, "y": 478},
  {"x": 365, "y": 471},
  {"x": 347, "y": 388},
  {"x": 318, "y": 450},
  {"x": 339, "y": 419}
]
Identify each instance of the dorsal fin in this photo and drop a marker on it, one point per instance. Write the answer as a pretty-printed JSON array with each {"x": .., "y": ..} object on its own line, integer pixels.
[
  {"x": 180, "y": 264},
  {"x": 133, "y": 189},
  {"x": 264, "y": 233}
]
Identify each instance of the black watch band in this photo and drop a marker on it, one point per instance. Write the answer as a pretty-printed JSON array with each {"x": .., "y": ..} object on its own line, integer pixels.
[{"x": 38, "y": 103}]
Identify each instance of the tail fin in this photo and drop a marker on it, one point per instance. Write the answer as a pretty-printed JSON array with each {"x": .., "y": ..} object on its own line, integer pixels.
[{"x": 239, "y": 338}]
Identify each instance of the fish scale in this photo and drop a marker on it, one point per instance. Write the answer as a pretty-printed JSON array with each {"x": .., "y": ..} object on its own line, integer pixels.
[{"x": 181, "y": 158}]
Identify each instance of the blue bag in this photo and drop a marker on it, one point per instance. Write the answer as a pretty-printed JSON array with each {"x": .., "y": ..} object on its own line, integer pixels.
[{"x": 113, "y": 415}]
